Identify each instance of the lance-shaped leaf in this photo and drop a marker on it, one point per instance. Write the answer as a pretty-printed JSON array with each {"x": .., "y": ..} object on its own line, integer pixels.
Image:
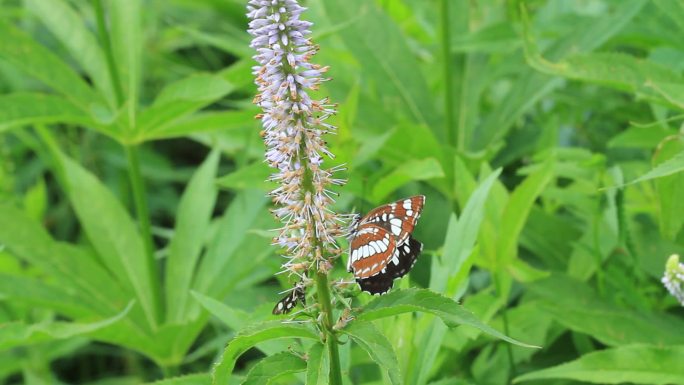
[
  {"x": 273, "y": 367},
  {"x": 249, "y": 337},
  {"x": 424, "y": 300},
  {"x": 377, "y": 346},
  {"x": 637, "y": 364}
]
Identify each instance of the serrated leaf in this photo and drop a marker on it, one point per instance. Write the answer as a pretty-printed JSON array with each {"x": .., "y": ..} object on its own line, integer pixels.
[
  {"x": 191, "y": 379},
  {"x": 317, "y": 366},
  {"x": 638, "y": 364},
  {"x": 273, "y": 367},
  {"x": 194, "y": 214},
  {"x": 377, "y": 346},
  {"x": 424, "y": 300},
  {"x": 249, "y": 337},
  {"x": 666, "y": 168}
]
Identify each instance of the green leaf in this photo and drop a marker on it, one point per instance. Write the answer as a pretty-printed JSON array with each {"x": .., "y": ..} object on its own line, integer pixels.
[
  {"x": 384, "y": 54},
  {"x": 576, "y": 306},
  {"x": 249, "y": 337},
  {"x": 182, "y": 98},
  {"x": 236, "y": 319},
  {"x": 638, "y": 364},
  {"x": 666, "y": 168},
  {"x": 673, "y": 9},
  {"x": 639, "y": 137},
  {"x": 220, "y": 258},
  {"x": 253, "y": 176},
  {"x": 517, "y": 210},
  {"x": 670, "y": 188},
  {"x": 412, "y": 170},
  {"x": 33, "y": 292},
  {"x": 273, "y": 367},
  {"x": 233, "y": 318},
  {"x": 424, "y": 300},
  {"x": 191, "y": 379},
  {"x": 377, "y": 346},
  {"x": 461, "y": 236},
  {"x": 18, "y": 109},
  {"x": 18, "y": 334},
  {"x": 448, "y": 272},
  {"x": 21, "y": 51},
  {"x": 116, "y": 240},
  {"x": 531, "y": 85},
  {"x": 194, "y": 214},
  {"x": 127, "y": 40},
  {"x": 68, "y": 26},
  {"x": 616, "y": 70},
  {"x": 75, "y": 272},
  {"x": 318, "y": 365},
  {"x": 200, "y": 122}
]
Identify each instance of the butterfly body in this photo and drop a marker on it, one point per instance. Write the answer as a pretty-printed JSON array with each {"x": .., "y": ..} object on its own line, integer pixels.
[{"x": 381, "y": 246}]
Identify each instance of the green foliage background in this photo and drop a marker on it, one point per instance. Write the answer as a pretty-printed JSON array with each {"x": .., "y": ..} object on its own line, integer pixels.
[{"x": 546, "y": 135}]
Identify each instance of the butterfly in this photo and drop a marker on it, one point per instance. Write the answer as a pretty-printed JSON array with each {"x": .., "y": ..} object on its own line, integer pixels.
[
  {"x": 287, "y": 303},
  {"x": 381, "y": 246}
]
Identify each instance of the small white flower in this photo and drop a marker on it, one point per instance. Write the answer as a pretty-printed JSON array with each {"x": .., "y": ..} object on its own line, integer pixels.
[{"x": 673, "y": 279}]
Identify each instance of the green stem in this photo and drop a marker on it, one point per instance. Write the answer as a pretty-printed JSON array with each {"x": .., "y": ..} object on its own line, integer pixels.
[
  {"x": 448, "y": 77},
  {"x": 143, "y": 215},
  {"x": 109, "y": 54},
  {"x": 326, "y": 306},
  {"x": 498, "y": 285}
]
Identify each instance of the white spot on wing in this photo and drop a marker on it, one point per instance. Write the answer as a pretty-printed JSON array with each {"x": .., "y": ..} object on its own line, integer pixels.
[{"x": 407, "y": 204}]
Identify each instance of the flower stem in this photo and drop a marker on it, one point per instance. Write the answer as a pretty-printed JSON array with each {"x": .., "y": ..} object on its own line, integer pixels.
[
  {"x": 143, "y": 215},
  {"x": 109, "y": 54},
  {"x": 324, "y": 301},
  {"x": 448, "y": 78}
]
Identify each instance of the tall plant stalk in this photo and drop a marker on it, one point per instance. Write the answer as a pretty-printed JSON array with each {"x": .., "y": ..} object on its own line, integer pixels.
[
  {"x": 452, "y": 137},
  {"x": 293, "y": 129},
  {"x": 133, "y": 162}
]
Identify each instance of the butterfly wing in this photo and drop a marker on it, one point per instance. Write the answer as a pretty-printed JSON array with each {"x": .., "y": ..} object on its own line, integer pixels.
[
  {"x": 372, "y": 248},
  {"x": 406, "y": 257},
  {"x": 399, "y": 218}
]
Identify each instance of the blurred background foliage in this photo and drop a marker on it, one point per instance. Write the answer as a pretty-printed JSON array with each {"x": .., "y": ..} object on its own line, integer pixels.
[{"x": 133, "y": 217}]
